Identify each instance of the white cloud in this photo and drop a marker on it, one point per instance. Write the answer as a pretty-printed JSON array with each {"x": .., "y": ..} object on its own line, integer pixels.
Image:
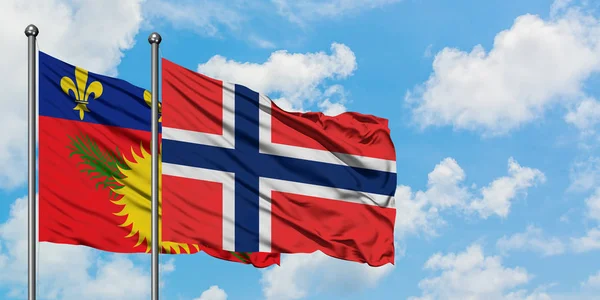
[
  {"x": 335, "y": 98},
  {"x": 298, "y": 78},
  {"x": 167, "y": 267},
  {"x": 559, "y": 6},
  {"x": 496, "y": 197},
  {"x": 75, "y": 31},
  {"x": 286, "y": 105},
  {"x": 536, "y": 295},
  {"x": 66, "y": 271},
  {"x": 589, "y": 242},
  {"x": 116, "y": 278},
  {"x": 301, "y": 11},
  {"x": 585, "y": 116},
  {"x": 593, "y": 205},
  {"x": 444, "y": 189},
  {"x": 415, "y": 214},
  {"x": 420, "y": 211},
  {"x": 532, "y": 66},
  {"x": 331, "y": 109},
  {"x": 302, "y": 274},
  {"x": 472, "y": 275},
  {"x": 427, "y": 53},
  {"x": 203, "y": 17},
  {"x": 585, "y": 175},
  {"x": 593, "y": 282},
  {"x": 213, "y": 293},
  {"x": 532, "y": 239},
  {"x": 261, "y": 42},
  {"x": 212, "y": 18}
]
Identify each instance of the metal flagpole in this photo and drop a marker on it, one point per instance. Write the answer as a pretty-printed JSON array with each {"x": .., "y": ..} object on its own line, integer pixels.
[
  {"x": 154, "y": 39},
  {"x": 31, "y": 32}
]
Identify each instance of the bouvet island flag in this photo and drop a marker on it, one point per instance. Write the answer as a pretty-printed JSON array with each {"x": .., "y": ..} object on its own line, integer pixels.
[{"x": 240, "y": 174}]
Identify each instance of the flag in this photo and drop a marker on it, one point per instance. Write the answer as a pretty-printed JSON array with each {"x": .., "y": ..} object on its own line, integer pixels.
[
  {"x": 95, "y": 164},
  {"x": 241, "y": 174}
]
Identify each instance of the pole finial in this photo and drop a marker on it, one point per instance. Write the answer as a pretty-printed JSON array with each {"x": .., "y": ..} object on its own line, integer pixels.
[
  {"x": 154, "y": 38},
  {"x": 31, "y": 30}
]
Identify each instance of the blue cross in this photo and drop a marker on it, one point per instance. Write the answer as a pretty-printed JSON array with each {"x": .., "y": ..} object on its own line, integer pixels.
[{"x": 248, "y": 164}]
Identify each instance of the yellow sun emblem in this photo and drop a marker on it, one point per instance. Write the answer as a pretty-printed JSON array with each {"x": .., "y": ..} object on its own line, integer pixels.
[{"x": 136, "y": 202}]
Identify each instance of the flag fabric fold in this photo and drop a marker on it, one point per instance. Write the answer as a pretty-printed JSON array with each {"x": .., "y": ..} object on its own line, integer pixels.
[
  {"x": 241, "y": 174},
  {"x": 94, "y": 165}
]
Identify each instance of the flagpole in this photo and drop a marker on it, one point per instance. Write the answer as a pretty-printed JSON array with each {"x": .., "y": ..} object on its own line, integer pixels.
[
  {"x": 31, "y": 32},
  {"x": 154, "y": 39}
]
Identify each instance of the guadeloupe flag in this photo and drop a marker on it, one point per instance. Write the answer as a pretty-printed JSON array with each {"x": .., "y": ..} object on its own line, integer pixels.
[{"x": 94, "y": 165}]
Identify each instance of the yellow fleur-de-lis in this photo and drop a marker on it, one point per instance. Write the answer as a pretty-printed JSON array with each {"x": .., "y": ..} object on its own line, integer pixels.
[
  {"x": 81, "y": 90},
  {"x": 148, "y": 99}
]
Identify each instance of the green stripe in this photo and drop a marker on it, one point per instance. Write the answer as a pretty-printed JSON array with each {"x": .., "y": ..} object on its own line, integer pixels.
[
  {"x": 239, "y": 257},
  {"x": 246, "y": 255}
]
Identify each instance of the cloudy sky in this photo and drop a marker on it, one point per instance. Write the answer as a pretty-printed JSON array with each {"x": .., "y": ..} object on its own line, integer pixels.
[{"x": 494, "y": 112}]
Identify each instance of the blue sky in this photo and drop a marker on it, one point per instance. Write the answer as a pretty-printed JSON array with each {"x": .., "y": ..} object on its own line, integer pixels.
[{"x": 493, "y": 110}]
